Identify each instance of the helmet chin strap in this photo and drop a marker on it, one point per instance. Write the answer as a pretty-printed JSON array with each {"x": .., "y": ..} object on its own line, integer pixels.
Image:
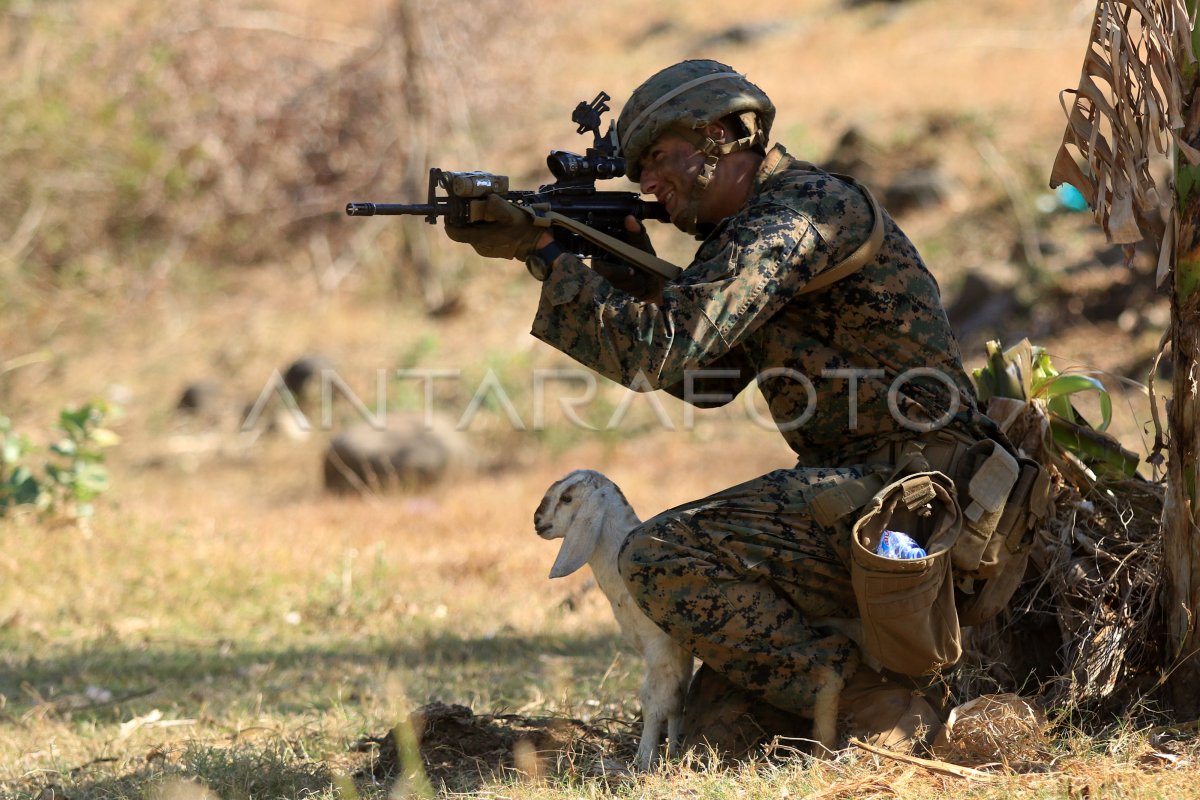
[{"x": 688, "y": 221}]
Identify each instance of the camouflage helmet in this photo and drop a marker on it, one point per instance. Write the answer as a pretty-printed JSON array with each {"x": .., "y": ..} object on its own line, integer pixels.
[{"x": 687, "y": 96}]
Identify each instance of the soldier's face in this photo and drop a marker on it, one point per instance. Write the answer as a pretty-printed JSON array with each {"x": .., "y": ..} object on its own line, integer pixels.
[{"x": 669, "y": 170}]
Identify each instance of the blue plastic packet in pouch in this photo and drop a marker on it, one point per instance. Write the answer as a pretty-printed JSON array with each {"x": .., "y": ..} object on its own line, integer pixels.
[{"x": 894, "y": 544}]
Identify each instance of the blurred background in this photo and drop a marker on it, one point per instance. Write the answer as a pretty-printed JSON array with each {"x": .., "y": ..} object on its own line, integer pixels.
[{"x": 174, "y": 176}]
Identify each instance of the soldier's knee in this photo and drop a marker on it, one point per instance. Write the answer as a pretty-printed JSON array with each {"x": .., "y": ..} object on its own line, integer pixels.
[
  {"x": 632, "y": 557},
  {"x": 651, "y": 551}
]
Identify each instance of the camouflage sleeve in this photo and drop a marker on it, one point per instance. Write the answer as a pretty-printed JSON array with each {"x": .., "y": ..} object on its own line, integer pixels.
[
  {"x": 714, "y": 385},
  {"x": 758, "y": 264}
]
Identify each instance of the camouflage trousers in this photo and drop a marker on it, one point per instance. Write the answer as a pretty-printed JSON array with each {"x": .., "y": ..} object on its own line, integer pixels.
[{"x": 738, "y": 577}]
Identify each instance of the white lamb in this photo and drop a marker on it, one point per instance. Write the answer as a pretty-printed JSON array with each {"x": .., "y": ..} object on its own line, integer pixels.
[{"x": 592, "y": 517}]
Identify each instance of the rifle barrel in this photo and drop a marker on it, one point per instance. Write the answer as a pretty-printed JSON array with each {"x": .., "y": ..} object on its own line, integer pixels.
[{"x": 391, "y": 209}]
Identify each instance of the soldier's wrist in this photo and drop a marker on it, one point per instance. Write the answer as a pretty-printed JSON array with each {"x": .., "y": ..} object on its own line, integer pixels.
[{"x": 540, "y": 262}]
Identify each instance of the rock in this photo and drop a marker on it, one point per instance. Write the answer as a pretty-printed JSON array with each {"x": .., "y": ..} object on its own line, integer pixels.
[
  {"x": 654, "y": 30},
  {"x": 922, "y": 187},
  {"x": 853, "y": 155},
  {"x": 303, "y": 376},
  {"x": 406, "y": 454},
  {"x": 202, "y": 400},
  {"x": 736, "y": 35},
  {"x": 1004, "y": 728},
  {"x": 981, "y": 306}
]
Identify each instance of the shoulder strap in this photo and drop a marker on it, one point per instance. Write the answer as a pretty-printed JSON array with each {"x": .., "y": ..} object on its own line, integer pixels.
[
  {"x": 863, "y": 253},
  {"x": 639, "y": 258}
]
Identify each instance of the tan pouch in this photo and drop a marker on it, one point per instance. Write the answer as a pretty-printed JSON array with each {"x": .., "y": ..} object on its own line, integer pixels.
[
  {"x": 988, "y": 473},
  {"x": 910, "y": 624},
  {"x": 1028, "y": 506}
]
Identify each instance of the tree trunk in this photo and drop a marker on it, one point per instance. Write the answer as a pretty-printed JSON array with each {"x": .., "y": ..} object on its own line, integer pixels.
[
  {"x": 1181, "y": 534},
  {"x": 416, "y": 124}
]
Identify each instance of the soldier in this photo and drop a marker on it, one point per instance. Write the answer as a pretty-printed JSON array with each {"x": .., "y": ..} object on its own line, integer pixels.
[{"x": 802, "y": 284}]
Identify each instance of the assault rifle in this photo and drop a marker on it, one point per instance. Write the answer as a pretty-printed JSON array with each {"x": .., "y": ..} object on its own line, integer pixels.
[{"x": 593, "y": 220}]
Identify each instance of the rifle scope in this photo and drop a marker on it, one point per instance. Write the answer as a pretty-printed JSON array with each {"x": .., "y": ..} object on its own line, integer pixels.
[{"x": 592, "y": 167}]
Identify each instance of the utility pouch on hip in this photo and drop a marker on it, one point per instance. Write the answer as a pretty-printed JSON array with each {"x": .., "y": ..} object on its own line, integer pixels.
[
  {"x": 988, "y": 473},
  {"x": 910, "y": 624},
  {"x": 1002, "y": 564}
]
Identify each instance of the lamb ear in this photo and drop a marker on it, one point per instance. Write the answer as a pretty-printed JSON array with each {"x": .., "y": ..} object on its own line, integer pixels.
[{"x": 577, "y": 546}]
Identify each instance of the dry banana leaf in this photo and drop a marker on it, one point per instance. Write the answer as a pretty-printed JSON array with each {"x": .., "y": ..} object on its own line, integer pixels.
[{"x": 1126, "y": 110}]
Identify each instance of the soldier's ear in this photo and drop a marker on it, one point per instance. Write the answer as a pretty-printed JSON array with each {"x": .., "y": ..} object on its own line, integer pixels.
[{"x": 717, "y": 132}]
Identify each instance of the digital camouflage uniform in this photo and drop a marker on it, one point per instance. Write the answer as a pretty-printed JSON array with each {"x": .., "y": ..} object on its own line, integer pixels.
[{"x": 739, "y": 577}]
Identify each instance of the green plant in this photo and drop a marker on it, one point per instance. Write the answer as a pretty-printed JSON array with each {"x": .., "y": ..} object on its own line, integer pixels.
[
  {"x": 73, "y": 472},
  {"x": 18, "y": 486},
  {"x": 1024, "y": 372}
]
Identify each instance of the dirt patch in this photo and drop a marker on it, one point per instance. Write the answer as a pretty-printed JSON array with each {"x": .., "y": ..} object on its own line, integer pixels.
[{"x": 461, "y": 750}]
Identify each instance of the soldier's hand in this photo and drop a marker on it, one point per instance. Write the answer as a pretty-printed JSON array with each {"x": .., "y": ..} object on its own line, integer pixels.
[
  {"x": 636, "y": 235},
  {"x": 509, "y": 231},
  {"x": 645, "y": 286}
]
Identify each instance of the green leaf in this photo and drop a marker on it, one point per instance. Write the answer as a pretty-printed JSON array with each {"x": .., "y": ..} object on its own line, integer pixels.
[
  {"x": 64, "y": 447},
  {"x": 1020, "y": 365},
  {"x": 1057, "y": 392},
  {"x": 1001, "y": 377},
  {"x": 1041, "y": 366},
  {"x": 24, "y": 487},
  {"x": 57, "y": 474},
  {"x": 75, "y": 422},
  {"x": 91, "y": 479},
  {"x": 1101, "y": 452}
]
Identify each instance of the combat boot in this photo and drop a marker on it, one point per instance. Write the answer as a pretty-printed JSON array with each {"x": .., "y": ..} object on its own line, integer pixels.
[
  {"x": 886, "y": 713},
  {"x": 731, "y": 722}
]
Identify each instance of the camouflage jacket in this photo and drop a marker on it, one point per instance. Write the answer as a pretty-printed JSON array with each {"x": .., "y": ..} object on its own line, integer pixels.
[{"x": 824, "y": 361}]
